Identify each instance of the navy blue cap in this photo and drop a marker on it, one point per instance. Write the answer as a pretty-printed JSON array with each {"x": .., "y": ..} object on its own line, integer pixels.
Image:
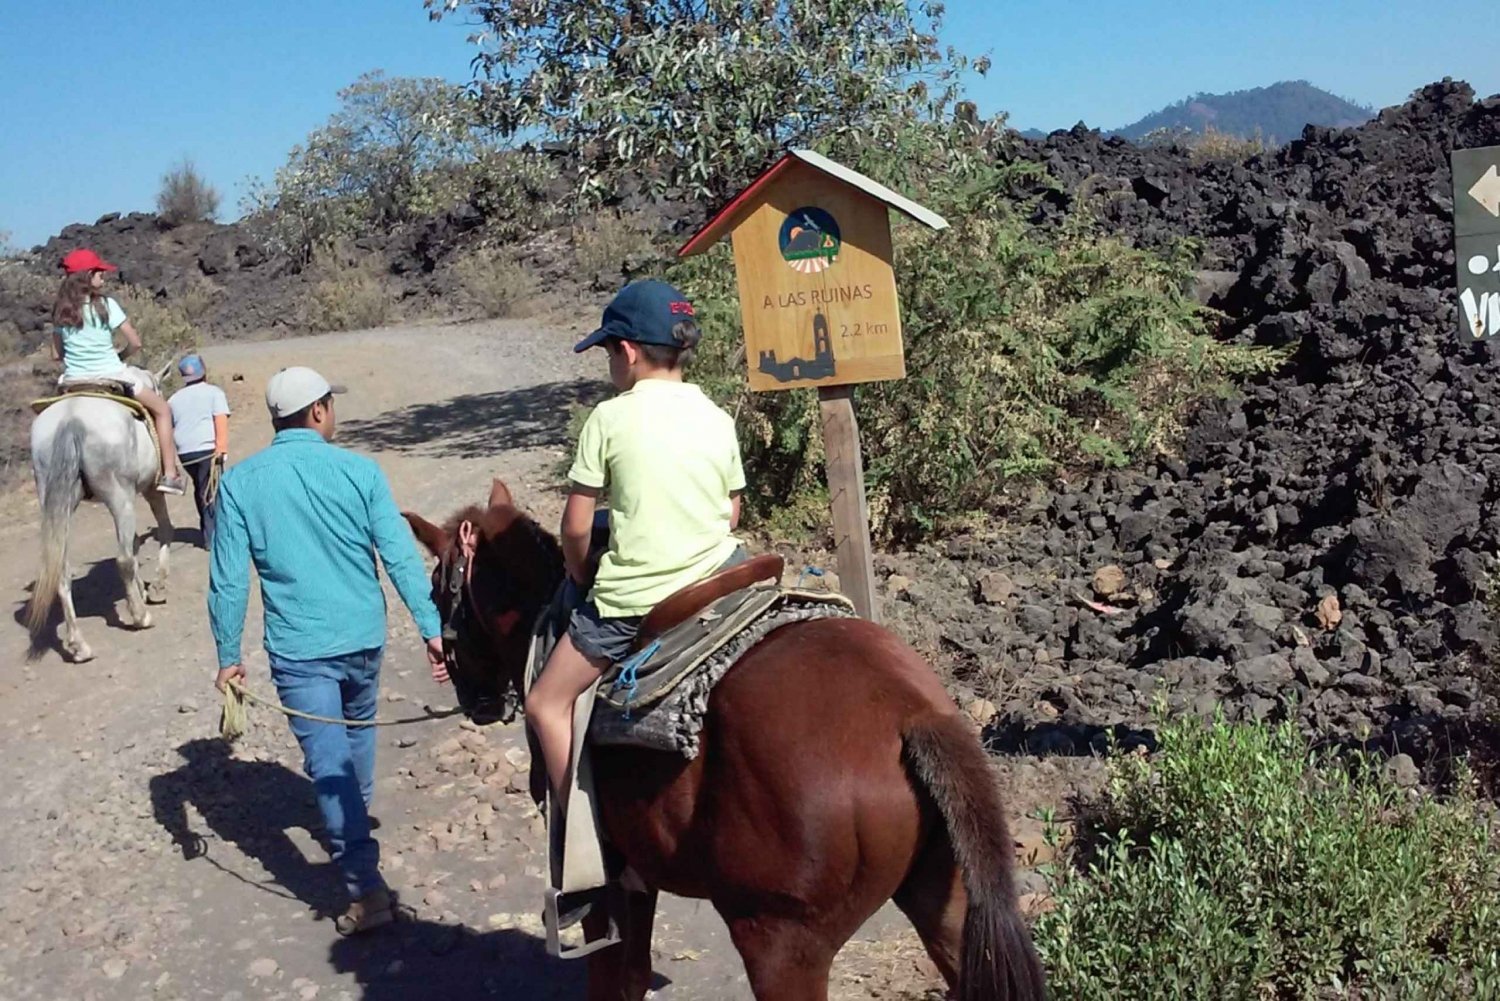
[{"x": 644, "y": 312}]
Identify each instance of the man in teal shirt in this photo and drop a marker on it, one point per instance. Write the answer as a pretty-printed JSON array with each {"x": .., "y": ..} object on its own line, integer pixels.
[{"x": 313, "y": 518}]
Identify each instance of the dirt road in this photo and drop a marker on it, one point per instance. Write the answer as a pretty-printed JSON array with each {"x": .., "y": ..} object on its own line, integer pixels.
[{"x": 142, "y": 858}]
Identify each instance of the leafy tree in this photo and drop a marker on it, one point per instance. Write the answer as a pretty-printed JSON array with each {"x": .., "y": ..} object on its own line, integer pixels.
[
  {"x": 699, "y": 95},
  {"x": 396, "y": 149}
]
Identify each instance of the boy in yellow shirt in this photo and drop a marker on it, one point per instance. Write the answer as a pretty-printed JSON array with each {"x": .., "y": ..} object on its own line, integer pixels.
[{"x": 668, "y": 460}]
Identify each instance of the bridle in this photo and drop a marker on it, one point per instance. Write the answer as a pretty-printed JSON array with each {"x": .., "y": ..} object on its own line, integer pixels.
[{"x": 455, "y": 575}]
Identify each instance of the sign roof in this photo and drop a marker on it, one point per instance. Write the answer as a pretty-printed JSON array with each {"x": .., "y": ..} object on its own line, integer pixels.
[{"x": 730, "y": 215}]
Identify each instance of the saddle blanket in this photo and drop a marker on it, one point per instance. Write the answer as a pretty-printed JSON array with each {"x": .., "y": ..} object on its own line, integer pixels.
[
  {"x": 657, "y": 699},
  {"x": 103, "y": 391}
]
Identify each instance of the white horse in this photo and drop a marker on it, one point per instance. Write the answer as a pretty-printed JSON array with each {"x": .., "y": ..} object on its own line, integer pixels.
[{"x": 91, "y": 448}]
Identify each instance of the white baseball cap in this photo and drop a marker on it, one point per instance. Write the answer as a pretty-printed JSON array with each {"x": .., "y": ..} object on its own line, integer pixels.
[{"x": 293, "y": 388}]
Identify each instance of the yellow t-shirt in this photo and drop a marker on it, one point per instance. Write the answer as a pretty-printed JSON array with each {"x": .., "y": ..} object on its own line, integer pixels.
[{"x": 668, "y": 459}]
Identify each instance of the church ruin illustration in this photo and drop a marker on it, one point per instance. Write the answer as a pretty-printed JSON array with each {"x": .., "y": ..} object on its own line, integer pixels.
[{"x": 820, "y": 367}]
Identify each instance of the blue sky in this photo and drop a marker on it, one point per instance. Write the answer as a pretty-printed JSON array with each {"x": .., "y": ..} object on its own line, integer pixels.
[{"x": 96, "y": 104}]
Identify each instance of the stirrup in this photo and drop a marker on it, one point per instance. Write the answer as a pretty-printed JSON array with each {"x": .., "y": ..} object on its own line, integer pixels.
[{"x": 564, "y": 910}]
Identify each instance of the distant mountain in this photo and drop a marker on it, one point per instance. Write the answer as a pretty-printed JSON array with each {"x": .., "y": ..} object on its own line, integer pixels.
[{"x": 1278, "y": 113}]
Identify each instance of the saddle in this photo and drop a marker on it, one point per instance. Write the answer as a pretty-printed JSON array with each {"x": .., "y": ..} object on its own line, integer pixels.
[{"x": 694, "y": 598}]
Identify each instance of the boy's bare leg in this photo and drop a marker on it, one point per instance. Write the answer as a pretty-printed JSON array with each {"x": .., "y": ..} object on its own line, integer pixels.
[{"x": 549, "y": 709}]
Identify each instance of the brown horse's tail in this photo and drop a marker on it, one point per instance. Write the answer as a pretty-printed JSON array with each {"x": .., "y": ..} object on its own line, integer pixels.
[{"x": 998, "y": 962}]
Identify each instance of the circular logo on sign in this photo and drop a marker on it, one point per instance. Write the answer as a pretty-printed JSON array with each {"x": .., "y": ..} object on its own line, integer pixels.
[{"x": 809, "y": 240}]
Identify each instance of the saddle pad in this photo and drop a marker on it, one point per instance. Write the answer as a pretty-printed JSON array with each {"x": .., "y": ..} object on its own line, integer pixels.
[
  {"x": 648, "y": 676},
  {"x": 130, "y": 403},
  {"x": 673, "y": 722}
]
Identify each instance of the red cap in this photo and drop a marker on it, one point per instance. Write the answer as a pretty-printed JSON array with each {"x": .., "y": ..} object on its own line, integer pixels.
[{"x": 85, "y": 260}]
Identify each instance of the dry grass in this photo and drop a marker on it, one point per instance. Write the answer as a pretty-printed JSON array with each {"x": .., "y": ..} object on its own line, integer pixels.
[
  {"x": 346, "y": 296},
  {"x": 165, "y": 328},
  {"x": 494, "y": 285},
  {"x": 185, "y": 196},
  {"x": 23, "y": 287},
  {"x": 199, "y": 300},
  {"x": 1220, "y": 147},
  {"x": 12, "y": 343},
  {"x": 606, "y": 241}
]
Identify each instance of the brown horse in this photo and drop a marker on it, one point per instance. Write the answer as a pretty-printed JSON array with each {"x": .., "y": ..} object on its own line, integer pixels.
[{"x": 834, "y": 773}]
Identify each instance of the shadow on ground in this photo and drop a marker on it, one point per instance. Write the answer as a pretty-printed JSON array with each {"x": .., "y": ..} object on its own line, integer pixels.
[
  {"x": 250, "y": 805},
  {"x": 477, "y": 424},
  {"x": 424, "y": 959},
  {"x": 95, "y": 597}
]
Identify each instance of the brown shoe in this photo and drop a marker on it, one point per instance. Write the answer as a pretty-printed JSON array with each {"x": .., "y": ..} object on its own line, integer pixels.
[{"x": 370, "y": 911}]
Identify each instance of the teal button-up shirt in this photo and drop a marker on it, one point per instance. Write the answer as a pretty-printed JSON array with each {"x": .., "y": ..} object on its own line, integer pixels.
[{"x": 312, "y": 518}]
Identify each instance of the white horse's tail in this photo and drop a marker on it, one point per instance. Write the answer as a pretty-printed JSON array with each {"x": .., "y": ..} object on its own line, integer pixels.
[{"x": 59, "y": 488}]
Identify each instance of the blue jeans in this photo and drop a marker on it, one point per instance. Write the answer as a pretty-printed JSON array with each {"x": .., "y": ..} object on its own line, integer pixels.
[
  {"x": 199, "y": 467},
  {"x": 340, "y": 760}
]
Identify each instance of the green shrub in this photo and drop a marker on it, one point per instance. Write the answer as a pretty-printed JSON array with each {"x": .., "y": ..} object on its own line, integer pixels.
[
  {"x": 1237, "y": 863},
  {"x": 515, "y": 190},
  {"x": 1026, "y": 349},
  {"x": 185, "y": 196},
  {"x": 494, "y": 284},
  {"x": 346, "y": 296}
]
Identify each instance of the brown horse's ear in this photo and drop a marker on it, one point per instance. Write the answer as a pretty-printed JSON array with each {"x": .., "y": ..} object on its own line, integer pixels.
[
  {"x": 500, "y": 494},
  {"x": 434, "y": 538}
]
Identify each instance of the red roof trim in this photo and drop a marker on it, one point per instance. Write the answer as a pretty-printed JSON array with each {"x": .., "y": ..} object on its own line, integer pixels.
[{"x": 710, "y": 232}]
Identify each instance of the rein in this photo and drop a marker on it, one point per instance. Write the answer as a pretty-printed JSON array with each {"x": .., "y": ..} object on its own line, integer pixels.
[{"x": 456, "y": 575}]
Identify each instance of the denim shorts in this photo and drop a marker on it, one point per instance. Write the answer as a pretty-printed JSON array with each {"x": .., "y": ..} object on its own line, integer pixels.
[
  {"x": 598, "y": 638},
  {"x": 610, "y": 640}
]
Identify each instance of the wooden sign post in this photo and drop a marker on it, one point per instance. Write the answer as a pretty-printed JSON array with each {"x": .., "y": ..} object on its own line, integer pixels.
[{"x": 812, "y": 254}]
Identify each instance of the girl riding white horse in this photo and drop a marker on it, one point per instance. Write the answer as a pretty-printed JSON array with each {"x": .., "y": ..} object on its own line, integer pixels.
[
  {"x": 86, "y": 446},
  {"x": 84, "y": 322}
]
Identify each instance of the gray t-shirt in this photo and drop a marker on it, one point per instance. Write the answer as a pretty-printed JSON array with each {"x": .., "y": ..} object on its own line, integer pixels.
[{"x": 193, "y": 410}]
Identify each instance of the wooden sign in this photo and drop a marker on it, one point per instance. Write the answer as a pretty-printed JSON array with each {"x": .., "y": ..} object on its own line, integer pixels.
[
  {"x": 812, "y": 253},
  {"x": 813, "y": 260}
]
